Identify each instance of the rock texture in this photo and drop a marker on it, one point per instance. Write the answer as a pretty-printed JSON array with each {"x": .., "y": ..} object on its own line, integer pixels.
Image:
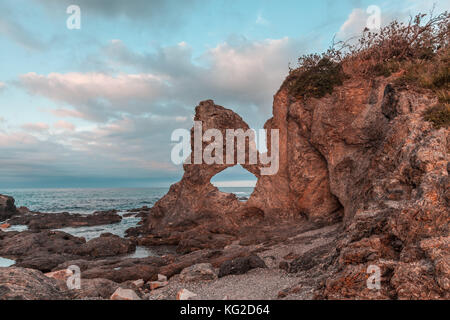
[
  {"x": 27, "y": 284},
  {"x": 106, "y": 245},
  {"x": 198, "y": 272},
  {"x": 7, "y": 207},
  {"x": 363, "y": 155},
  {"x": 42, "y": 221}
]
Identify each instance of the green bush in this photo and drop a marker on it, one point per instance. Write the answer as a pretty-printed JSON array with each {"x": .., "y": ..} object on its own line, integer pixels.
[
  {"x": 439, "y": 115},
  {"x": 316, "y": 80}
]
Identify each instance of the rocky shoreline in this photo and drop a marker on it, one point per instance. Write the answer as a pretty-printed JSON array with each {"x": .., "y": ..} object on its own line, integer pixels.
[{"x": 42, "y": 257}]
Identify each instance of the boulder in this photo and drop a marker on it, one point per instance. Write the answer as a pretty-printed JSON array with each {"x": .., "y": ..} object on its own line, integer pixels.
[
  {"x": 198, "y": 272},
  {"x": 241, "y": 265},
  {"x": 27, "y": 284},
  {"x": 106, "y": 245},
  {"x": 7, "y": 207},
  {"x": 95, "y": 288}
]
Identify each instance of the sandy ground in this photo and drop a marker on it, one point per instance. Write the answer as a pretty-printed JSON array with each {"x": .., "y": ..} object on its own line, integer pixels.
[{"x": 261, "y": 284}]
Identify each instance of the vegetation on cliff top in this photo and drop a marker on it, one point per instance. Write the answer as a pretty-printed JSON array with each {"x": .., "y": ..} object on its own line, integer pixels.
[
  {"x": 418, "y": 51},
  {"x": 439, "y": 115}
]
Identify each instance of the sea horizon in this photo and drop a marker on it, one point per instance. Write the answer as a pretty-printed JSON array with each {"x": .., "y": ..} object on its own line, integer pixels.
[{"x": 88, "y": 200}]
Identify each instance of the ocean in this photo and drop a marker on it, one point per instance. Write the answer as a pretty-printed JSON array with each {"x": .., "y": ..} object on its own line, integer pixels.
[{"x": 87, "y": 201}]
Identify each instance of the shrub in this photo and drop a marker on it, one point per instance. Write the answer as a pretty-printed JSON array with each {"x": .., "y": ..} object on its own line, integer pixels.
[
  {"x": 413, "y": 47},
  {"x": 431, "y": 74},
  {"x": 316, "y": 79},
  {"x": 439, "y": 115}
]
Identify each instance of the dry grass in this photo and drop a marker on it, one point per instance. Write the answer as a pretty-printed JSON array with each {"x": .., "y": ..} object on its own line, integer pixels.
[
  {"x": 419, "y": 50},
  {"x": 439, "y": 115}
]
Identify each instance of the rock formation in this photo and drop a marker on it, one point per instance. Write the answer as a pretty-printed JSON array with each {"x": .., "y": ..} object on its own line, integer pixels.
[
  {"x": 7, "y": 207},
  {"x": 363, "y": 155}
]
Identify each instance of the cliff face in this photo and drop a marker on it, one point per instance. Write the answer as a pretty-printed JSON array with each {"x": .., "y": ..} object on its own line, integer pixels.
[{"x": 362, "y": 155}]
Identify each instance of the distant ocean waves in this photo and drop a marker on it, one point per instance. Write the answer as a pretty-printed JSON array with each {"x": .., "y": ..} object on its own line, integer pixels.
[{"x": 89, "y": 200}]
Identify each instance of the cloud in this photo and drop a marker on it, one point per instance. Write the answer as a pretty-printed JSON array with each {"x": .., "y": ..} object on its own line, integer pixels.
[
  {"x": 261, "y": 20},
  {"x": 354, "y": 25},
  {"x": 239, "y": 74},
  {"x": 160, "y": 14},
  {"x": 96, "y": 96},
  {"x": 64, "y": 125},
  {"x": 36, "y": 127},
  {"x": 131, "y": 148},
  {"x": 2, "y": 86}
]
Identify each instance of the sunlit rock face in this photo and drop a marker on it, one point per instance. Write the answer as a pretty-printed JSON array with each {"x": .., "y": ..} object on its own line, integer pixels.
[{"x": 362, "y": 155}]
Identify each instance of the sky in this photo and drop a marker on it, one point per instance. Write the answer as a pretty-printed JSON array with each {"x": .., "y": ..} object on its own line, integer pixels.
[{"x": 96, "y": 106}]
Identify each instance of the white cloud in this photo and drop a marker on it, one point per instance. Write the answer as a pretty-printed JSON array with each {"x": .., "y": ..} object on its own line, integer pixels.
[
  {"x": 96, "y": 95},
  {"x": 261, "y": 20},
  {"x": 64, "y": 125},
  {"x": 36, "y": 127},
  {"x": 354, "y": 25}
]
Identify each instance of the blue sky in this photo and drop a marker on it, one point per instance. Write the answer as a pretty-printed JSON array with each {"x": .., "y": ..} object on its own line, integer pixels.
[{"x": 95, "y": 107}]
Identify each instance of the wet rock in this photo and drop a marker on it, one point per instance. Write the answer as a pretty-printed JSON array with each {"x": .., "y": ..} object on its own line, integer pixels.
[
  {"x": 198, "y": 272},
  {"x": 28, "y": 284},
  {"x": 241, "y": 265},
  {"x": 42, "y": 251},
  {"x": 43, "y": 221},
  {"x": 106, "y": 245}
]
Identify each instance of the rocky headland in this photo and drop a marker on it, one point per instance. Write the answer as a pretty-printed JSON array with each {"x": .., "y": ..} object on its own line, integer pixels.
[{"x": 363, "y": 181}]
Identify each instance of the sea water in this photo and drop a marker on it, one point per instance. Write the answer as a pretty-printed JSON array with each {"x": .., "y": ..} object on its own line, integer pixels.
[{"x": 87, "y": 201}]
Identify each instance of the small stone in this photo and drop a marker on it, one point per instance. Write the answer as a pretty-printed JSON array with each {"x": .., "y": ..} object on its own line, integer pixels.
[
  {"x": 138, "y": 283},
  {"x": 185, "y": 294},
  {"x": 162, "y": 278},
  {"x": 124, "y": 294},
  {"x": 60, "y": 274},
  {"x": 157, "y": 284}
]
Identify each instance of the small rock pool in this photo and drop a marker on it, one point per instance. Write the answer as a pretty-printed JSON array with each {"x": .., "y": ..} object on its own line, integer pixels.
[{"x": 6, "y": 262}]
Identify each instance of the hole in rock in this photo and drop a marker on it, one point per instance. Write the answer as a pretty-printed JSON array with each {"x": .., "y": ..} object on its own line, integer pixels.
[{"x": 235, "y": 180}]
